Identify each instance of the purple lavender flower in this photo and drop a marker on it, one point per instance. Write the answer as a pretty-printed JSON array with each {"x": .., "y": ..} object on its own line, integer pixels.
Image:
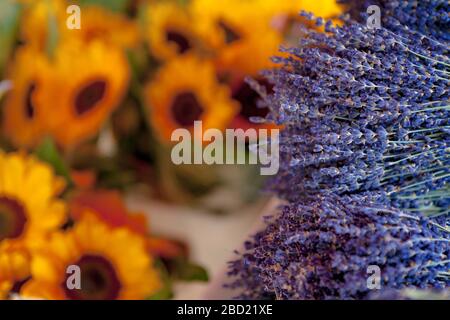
[
  {"x": 364, "y": 110},
  {"x": 429, "y": 17},
  {"x": 321, "y": 247}
]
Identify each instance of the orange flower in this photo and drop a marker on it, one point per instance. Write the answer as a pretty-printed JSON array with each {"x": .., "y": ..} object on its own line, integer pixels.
[
  {"x": 14, "y": 268},
  {"x": 185, "y": 90},
  {"x": 113, "y": 263},
  {"x": 24, "y": 120},
  {"x": 29, "y": 207},
  {"x": 39, "y": 19},
  {"x": 87, "y": 89},
  {"x": 68, "y": 97},
  {"x": 99, "y": 24},
  {"x": 240, "y": 32},
  {"x": 109, "y": 207},
  {"x": 83, "y": 179},
  {"x": 170, "y": 31},
  {"x": 166, "y": 249}
]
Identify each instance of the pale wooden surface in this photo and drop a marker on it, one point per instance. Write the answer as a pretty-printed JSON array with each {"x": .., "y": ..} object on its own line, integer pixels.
[{"x": 211, "y": 238}]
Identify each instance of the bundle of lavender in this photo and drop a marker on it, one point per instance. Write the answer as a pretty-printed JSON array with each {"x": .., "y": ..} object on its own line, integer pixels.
[
  {"x": 365, "y": 110},
  {"x": 365, "y": 156},
  {"x": 427, "y": 17},
  {"x": 323, "y": 248}
]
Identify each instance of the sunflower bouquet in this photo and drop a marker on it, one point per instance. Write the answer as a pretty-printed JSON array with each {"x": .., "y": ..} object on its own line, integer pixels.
[
  {"x": 125, "y": 74},
  {"x": 54, "y": 239}
]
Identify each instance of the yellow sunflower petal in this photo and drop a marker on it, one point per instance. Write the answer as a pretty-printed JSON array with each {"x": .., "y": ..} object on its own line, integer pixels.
[
  {"x": 98, "y": 23},
  {"x": 169, "y": 30},
  {"x": 87, "y": 89},
  {"x": 14, "y": 267},
  {"x": 116, "y": 256},
  {"x": 240, "y": 31},
  {"x": 36, "y": 20},
  {"x": 24, "y": 120},
  {"x": 28, "y": 199},
  {"x": 184, "y": 90}
]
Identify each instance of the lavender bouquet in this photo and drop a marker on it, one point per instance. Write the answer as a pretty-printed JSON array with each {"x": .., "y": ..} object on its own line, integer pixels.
[
  {"x": 428, "y": 17},
  {"x": 365, "y": 156},
  {"x": 365, "y": 110},
  {"x": 322, "y": 248}
]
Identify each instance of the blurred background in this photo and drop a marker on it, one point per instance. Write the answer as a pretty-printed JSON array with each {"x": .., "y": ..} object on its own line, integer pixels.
[{"x": 90, "y": 94}]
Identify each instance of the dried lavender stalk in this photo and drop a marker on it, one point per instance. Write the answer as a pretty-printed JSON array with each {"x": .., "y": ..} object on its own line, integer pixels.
[
  {"x": 364, "y": 109},
  {"x": 321, "y": 248},
  {"x": 428, "y": 17}
]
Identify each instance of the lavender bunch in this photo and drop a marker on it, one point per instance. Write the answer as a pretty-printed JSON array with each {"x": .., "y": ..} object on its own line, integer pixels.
[
  {"x": 321, "y": 247},
  {"x": 410, "y": 294},
  {"x": 428, "y": 17},
  {"x": 364, "y": 110}
]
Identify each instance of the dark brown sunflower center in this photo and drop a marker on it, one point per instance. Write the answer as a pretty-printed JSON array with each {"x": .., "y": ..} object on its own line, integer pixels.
[
  {"x": 99, "y": 280},
  {"x": 12, "y": 218},
  {"x": 95, "y": 33},
  {"x": 230, "y": 34},
  {"x": 89, "y": 96},
  {"x": 29, "y": 104},
  {"x": 248, "y": 99},
  {"x": 179, "y": 39},
  {"x": 186, "y": 109}
]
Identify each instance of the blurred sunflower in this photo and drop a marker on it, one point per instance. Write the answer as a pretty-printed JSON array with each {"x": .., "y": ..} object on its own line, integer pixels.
[
  {"x": 24, "y": 120},
  {"x": 88, "y": 83},
  {"x": 323, "y": 8},
  {"x": 114, "y": 264},
  {"x": 29, "y": 208},
  {"x": 244, "y": 38},
  {"x": 327, "y": 9},
  {"x": 39, "y": 19},
  {"x": 104, "y": 25},
  {"x": 170, "y": 30},
  {"x": 110, "y": 208},
  {"x": 242, "y": 52},
  {"x": 14, "y": 269},
  {"x": 185, "y": 90}
]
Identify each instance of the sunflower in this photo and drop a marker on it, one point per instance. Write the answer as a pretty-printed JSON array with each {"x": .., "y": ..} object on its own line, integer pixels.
[
  {"x": 39, "y": 18},
  {"x": 114, "y": 264},
  {"x": 323, "y": 8},
  {"x": 170, "y": 30},
  {"x": 14, "y": 269},
  {"x": 288, "y": 21},
  {"x": 103, "y": 25},
  {"x": 243, "y": 38},
  {"x": 88, "y": 83},
  {"x": 29, "y": 208},
  {"x": 24, "y": 120},
  {"x": 185, "y": 90}
]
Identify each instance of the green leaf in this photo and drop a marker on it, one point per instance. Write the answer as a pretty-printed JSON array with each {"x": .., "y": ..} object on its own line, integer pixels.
[
  {"x": 49, "y": 153},
  {"x": 188, "y": 271},
  {"x": 9, "y": 22},
  {"x": 165, "y": 292},
  {"x": 113, "y": 5}
]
